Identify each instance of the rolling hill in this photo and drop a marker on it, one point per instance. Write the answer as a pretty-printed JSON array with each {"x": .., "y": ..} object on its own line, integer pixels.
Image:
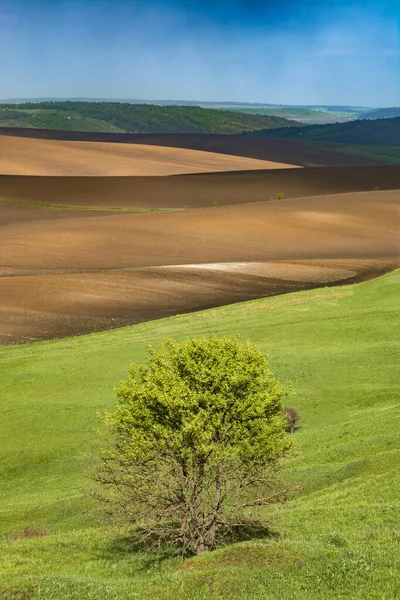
[
  {"x": 385, "y": 154},
  {"x": 88, "y": 252},
  {"x": 344, "y": 111},
  {"x": 300, "y": 114},
  {"x": 74, "y": 268},
  {"x": 116, "y": 117},
  {"x": 25, "y": 156},
  {"x": 293, "y": 152},
  {"x": 380, "y": 132},
  {"x": 194, "y": 190},
  {"x": 382, "y": 113},
  {"x": 337, "y": 539}
]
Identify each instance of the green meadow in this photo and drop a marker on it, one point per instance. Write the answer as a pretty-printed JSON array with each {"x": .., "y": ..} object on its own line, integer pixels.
[
  {"x": 303, "y": 115},
  {"x": 55, "y": 119},
  {"x": 71, "y": 207},
  {"x": 120, "y": 117},
  {"x": 386, "y": 154},
  {"x": 338, "y": 538}
]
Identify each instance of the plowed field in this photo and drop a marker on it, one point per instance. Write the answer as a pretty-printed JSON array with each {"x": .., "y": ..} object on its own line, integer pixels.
[
  {"x": 25, "y": 156},
  {"x": 66, "y": 271}
]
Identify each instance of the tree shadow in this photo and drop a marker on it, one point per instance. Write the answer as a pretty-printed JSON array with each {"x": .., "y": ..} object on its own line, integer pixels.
[
  {"x": 246, "y": 533},
  {"x": 156, "y": 551},
  {"x": 149, "y": 555}
]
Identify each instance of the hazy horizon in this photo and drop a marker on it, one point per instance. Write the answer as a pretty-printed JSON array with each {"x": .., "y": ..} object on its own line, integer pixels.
[
  {"x": 170, "y": 101},
  {"x": 290, "y": 53}
]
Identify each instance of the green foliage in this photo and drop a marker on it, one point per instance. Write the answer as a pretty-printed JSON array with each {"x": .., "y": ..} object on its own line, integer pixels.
[
  {"x": 88, "y": 208},
  {"x": 384, "y": 154},
  {"x": 382, "y": 113},
  {"x": 36, "y": 118},
  {"x": 197, "y": 430},
  {"x": 379, "y": 132},
  {"x": 8, "y": 113},
  {"x": 337, "y": 539},
  {"x": 279, "y": 196},
  {"x": 116, "y": 117},
  {"x": 299, "y": 114}
]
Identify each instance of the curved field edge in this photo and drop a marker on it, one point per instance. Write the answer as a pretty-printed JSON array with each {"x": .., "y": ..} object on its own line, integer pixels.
[
  {"x": 197, "y": 190},
  {"x": 102, "y": 208},
  {"x": 339, "y": 538}
]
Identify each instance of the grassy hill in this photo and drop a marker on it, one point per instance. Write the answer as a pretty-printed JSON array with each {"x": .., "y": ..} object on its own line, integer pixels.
[
  {"x": 339, "y": 538},
  {"x": 322, "y": 113},
  {"x": 344, "y": 111},
  {"x": 113, "y": 117},
  {"x": 382, "y": 113},
  {"x": 380, "y": 132},
  {"x": 385, "y": 154},
  {"x": 307, "y": 114},
  {"x": 303, "y": 115}
]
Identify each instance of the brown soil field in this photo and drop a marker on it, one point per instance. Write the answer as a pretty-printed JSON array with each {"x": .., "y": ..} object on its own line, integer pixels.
[
  {"x": 196, "y": 190},
  {"x": 66, "y": 272},
  {"x": 293, "y": 152},
  {"x": 25, "y": 156}
]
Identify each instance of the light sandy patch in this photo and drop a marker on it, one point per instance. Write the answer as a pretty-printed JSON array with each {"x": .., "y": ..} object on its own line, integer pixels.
[
  {"x": 274, "y": 270},
  {"x": 25, "y": 156}
]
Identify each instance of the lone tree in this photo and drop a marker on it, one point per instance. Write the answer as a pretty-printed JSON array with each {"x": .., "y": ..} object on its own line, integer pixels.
[{"x": 194, "y": 442}]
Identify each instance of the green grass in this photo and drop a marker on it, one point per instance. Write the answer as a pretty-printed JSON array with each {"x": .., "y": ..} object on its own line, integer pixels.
[
  {"x": 338, "y": 539},
  {"x": 69, "y": 121},
  {"x": 119, "y": 117},
  {"x": 327, "y": 114},
  {"x": 55, "y": 119},
  {"x": 64, "y": 207},
  {"x": 386, "y": 154},
  {"x": 376, "y": 132},
  {"x": 303, "y": 115}
]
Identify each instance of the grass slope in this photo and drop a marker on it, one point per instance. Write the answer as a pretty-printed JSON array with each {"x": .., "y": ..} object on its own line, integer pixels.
[
  {"x": 345, "y": 112},
  {"x": 338, "y": 539},
  {"x": 385, "y": 154},
  {"x": 77, "y": 207},
  {"x": 54, "y": 119},
  {"x": 303, "y": 115},
  {"x": 113, "y": 117},
  {"x": 382, "y": 113},
  {"x": 380, "y": 132}
]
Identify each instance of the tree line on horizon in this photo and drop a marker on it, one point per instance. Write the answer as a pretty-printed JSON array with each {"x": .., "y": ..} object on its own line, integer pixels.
[{"x": 134, "y": 118}]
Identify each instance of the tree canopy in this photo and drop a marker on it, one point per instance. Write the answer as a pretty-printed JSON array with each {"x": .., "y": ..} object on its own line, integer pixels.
[
  {"x": 194, "y": 441},
  {"x": 133, "y": 118}
]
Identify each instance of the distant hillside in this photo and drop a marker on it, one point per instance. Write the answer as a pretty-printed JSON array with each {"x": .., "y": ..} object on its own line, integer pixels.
[
  {"x": 380, "y": 132},
  {"x": 309, "y": 114},
  {"x": 384, "y": 154},
  {"x": 303, "y": 115},
  {"x": 335, "y": 108},
  {"x": 382, "y": 113},
  {"x": 113, "y": 117}
]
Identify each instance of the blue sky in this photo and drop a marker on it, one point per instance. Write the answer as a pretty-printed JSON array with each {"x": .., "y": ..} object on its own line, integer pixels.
[{"x": 287, "y": 51}]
